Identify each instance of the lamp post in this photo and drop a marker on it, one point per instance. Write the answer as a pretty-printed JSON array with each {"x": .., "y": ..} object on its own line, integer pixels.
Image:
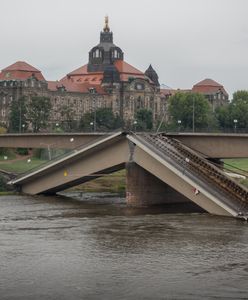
[
  {"x": 91, "y": 124},
  {"x": 179, "y": 124},
  {"x": 193, "y": 115},
  {"x": 20, "y": 118},
  {"x": 23, "y": 127},
  {"x": 235, "y": 121},
  {"x": 93, "y": 93},
  {"x": 135, "y": 124},
  {"x": 48, "y": 149}
]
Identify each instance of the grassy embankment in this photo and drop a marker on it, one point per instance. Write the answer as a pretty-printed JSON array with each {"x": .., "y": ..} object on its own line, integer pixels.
[
  {"x": 20, "y": 166},
  {"x": 241, "y": 164}
]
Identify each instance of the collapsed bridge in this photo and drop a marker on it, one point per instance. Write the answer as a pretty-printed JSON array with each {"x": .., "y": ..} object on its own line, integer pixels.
[{"x": 160, "y": 169}]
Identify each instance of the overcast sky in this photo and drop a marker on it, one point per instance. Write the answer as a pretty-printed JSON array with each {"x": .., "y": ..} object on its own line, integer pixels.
[{"x": 185, "y": 40}]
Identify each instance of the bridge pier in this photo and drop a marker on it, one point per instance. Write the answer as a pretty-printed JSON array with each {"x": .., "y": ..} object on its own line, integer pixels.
[{"x": 144, "y": 189}]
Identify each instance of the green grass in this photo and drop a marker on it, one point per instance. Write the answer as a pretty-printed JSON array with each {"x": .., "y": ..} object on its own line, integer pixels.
[
  {"x": 244, "y": 182},
  {"x": 8, "y": 193},
  {"x": 21, "y": 166},
  {"x": 9, "y": 155},
  {"x": 115, "y": 182},
  {"x": 241, "y": 163}
]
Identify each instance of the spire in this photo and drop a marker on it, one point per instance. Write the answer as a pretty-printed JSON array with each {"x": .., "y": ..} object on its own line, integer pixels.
[
  {"x": 106, "y": 26},
  {"x": 106, "y": 35},
  {"x": 152, "y": 74}
]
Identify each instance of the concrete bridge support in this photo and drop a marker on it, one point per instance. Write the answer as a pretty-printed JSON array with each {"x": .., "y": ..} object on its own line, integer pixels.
[{"x": 144, "y": 189}]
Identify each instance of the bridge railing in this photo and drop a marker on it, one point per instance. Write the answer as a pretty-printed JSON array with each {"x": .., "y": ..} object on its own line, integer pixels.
[{"x": 210, "y": 176}]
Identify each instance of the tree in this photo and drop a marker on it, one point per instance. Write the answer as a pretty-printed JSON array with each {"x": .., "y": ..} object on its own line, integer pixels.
[
  {"x": 240, "y": 95},
  {"x": 236, "y": 110},
  {"x": 68, "y": 122},
  {"x": 39, "y": 112},
  {"x": 192, "y": 109},
  {"x": 105, "y": 120},
  {"x": 143, "y": 117},
  {"x": 18, "y": 111},
  {"x": 3, "y": 129}
]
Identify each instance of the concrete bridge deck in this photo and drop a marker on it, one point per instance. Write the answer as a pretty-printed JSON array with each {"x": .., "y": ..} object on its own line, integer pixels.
[
  {"x": 211, "y": 145},
  {"x": 176, "y": 166}
]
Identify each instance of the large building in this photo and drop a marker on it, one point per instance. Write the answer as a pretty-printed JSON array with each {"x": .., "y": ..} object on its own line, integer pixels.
[
  {"x": 107, "y": 80},
  {"x": 213, "y": 91}
]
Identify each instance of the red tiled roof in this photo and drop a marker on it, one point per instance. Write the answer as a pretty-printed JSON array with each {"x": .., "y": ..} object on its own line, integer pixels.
[
  {"x": 208, "y": 90},
  {"x": 20, "y": 75},
  {"x": 74, "y": 87},
  {"x": 171, "y": 92},
  {"x": 90, "y": 78},
  {"x": 127, "y": 71},
  {"x": 20, "y": 71},
  {"x": 127, "y": 76},
  {"x": 167, "y": 92},
  {"x": 80, "y": 71},
  {"x": 54, "y": 85},
  {"x": 124, "y": 67},
  {"x": 83, "y": 76},
  {"x": 21, "y": 66},
  {"x": 208, "y": 82},
  {"x": 208, "y": 86}
]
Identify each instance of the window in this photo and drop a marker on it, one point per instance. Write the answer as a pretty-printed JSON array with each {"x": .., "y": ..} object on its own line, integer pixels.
[{"x": 97, "y": 53}]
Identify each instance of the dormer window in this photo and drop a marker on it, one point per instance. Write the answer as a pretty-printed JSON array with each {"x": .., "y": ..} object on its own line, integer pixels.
[
  {"x": 97, "y": 53},
  {"x": 115, "y": 54}
]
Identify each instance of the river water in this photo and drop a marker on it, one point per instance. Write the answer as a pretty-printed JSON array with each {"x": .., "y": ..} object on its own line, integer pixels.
[{"x": 94, "y": 247}]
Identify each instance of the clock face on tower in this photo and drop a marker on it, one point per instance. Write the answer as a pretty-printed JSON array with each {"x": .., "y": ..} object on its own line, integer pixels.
[{"x": 139, "y": 86}]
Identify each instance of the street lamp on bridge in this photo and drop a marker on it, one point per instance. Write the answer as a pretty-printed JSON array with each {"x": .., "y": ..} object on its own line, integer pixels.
[
  {"x": 135, "y": 124},
  {"x": 193, "y": 115},
  {"x": 179, "y": 124},
  {"x": 93, "y": 93},
  {"x": 235, "y": 121}
]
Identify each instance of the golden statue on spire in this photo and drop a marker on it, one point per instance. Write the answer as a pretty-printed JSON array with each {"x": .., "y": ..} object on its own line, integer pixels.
[{"x": 106, "y": 26}]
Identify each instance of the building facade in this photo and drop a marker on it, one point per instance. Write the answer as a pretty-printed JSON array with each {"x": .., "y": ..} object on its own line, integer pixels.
[{"x": 106, "y": 81}]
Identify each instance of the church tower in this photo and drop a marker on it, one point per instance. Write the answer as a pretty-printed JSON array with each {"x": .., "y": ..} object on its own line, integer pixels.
[{"x": 103, "y": 56}]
